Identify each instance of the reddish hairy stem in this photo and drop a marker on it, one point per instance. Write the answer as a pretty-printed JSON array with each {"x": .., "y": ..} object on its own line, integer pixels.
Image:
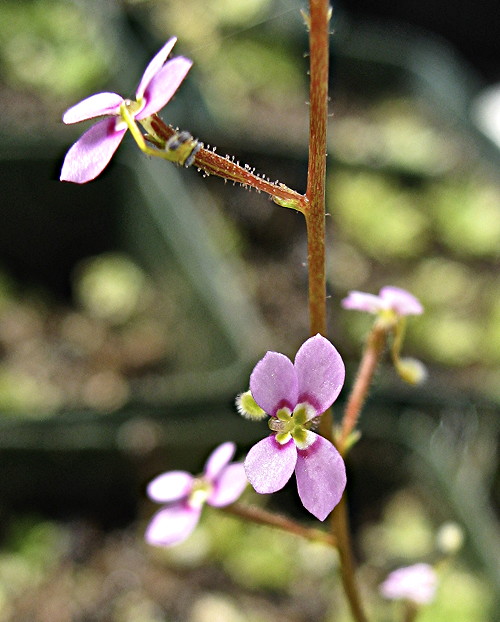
[
  {"x": 214, "y": 164},
  {"x": 264, "y": 517},
  {"x": 316, "y": 177},
  {"x": 315, "y": 219},
  {"x": 371, "y": 356}
]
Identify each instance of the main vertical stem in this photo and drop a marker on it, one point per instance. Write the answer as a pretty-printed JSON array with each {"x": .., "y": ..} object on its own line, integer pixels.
[
  {"x": 316, "y": 179},
  {"x": 315, "y": 221},
  {"x": 341, "y": 530},
  {"x": 316, "y": 176}
]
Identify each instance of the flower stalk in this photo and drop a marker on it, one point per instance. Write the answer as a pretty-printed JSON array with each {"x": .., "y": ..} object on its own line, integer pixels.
[
  {"x": 212, "y": 163},
  {"x": 411, "y": 611},
  {"x": 374, "y": 349},
  {"x": 340, "y": 525},
  {"x": 261, "y": 516}
]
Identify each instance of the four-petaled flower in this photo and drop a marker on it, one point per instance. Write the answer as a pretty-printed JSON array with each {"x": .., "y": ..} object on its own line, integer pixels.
[
  {"x": 220, "y": 484},
  {"x": 293, "y": 394},
  {"x": 391, "y": 300},
  {"x": 417, "y": 583},
  {"x": 91, "y": 153},
  {"x": 391, "y": 306}
]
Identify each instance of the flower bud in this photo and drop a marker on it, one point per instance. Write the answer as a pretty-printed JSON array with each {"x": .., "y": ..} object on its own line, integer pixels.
[
  {"x": 450, "y": 538},
  {"x": 248, "y": 407}
]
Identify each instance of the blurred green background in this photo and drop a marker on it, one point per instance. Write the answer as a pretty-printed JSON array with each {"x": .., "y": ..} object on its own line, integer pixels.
[{"x": 132, "y": 310}]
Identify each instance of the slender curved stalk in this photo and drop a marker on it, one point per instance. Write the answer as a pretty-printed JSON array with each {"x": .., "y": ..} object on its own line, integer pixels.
[
  {"x": 264, "y": 517},
  {"x": 410, "y": 612},
  {"x": 371, "y": 356},
  {"x": 212, "y": 163},
  {"x": 340, "y": 524}
]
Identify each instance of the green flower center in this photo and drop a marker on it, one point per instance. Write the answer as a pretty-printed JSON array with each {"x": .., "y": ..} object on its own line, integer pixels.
[
  {"x": 133, "y": 106},
  {"x": 128, "y": 111},
  {"x": 200, "y": 492},
  {"x": 388, "y": 317},
  {"x": 294, "y": 424}
]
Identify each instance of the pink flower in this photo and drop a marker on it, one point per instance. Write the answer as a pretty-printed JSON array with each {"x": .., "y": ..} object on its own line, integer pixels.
[
  {"x": 293, "y": 394},
  {"x": 417, "y": 583},
  {"x": 390, "y": 299},
  {"x": 91, "y": 153},
  {"x": 220, "y": 484}
]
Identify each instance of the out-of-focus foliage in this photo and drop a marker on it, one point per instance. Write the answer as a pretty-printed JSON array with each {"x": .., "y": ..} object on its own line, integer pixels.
[
  {"x": 378, "y": 216},
  {"x": 50, "y": 49},
  {"x": 122, "y": 335},
  {"x": 406, "y": 533},
  {"x": 239, "y": 68},
  {"x": 421, "y": 210},
  {"x": 413, "y": 201}
]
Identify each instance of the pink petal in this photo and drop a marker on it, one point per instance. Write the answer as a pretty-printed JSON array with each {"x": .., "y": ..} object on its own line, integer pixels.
[
  {"x": 359, "y": 301},
  {"x": 170, "y": 486},
  {"x": 229, "y": 485},
  {"x": 92, "y": 152},
  {"x": 401, "y": 301},
  {"x": 218, "y": 459},
  {"x": 172, "y": 525},
  {"x": 417, "y": 583},
  {"x": 273, "y": 383},
  {"x": 163, "y": 85},
  {"x": 320, "y": 372},
  {"x": 321, "y": 478},
  {"x": 96, "y": 105},
  {"x": 154, "y": 66},
  {"x": 270, "y": 465}
]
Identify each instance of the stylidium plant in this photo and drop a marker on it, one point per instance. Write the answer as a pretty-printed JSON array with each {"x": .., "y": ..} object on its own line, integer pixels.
[
  {"x": 184, "y": 495},
  {"x": 294, "y": 395}
]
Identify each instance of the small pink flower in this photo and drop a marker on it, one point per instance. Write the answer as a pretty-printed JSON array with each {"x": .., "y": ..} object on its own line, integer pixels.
[
  {"x": 293, "y": 394},
  {"x": 417, "y": 583},
  {"x": 390, "y": 299},
  {"x": 91, "y": 153},
  {"x": 220, "y": 484}
]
